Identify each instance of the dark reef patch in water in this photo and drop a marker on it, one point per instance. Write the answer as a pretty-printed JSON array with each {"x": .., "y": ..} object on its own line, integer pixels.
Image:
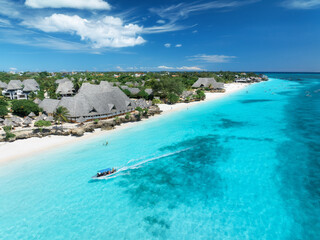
[
  {"x": 255, "y": 101},
  {"x": 188, "y": 178},
  {"x": 228, "y": 123}
]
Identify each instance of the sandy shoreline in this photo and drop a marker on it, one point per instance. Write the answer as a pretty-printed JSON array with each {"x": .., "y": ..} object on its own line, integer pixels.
[{"x": 31, "y": 146}]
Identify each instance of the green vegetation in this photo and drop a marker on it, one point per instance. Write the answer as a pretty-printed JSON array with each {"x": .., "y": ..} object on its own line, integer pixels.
[
  {"x": 140, "y": 110},
  {"x": 127, "y": 116},
  {"x": 156, "y": 101},
  {"x": 200, "y": 95},
  {"x": 23, "y": 108},
  {"x": 41, "y": 124},
  {"x": 3, "y": 108},
  {"x": 9, "y": 134},
  {"x": 172, "y": 98},
  {"x": 61, "y": 115}
]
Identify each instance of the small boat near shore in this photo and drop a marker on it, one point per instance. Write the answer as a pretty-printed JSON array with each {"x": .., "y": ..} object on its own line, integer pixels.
[{"x": 104, "y": 173}]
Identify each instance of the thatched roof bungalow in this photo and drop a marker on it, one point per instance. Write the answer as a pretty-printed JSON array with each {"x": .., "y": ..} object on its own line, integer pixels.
[
  {"x": 208, "y": 83},
  {"x": 21, "y": 90},
  {"x": 92, "y": 102},
  {"x": 65, "y": 89}
]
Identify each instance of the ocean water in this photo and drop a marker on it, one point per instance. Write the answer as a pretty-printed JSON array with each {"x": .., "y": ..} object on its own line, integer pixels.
[{"x": 243, "y": 167}]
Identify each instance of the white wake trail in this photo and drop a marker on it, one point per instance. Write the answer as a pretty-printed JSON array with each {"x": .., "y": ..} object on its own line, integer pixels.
[{"x": 121, "y": 171}]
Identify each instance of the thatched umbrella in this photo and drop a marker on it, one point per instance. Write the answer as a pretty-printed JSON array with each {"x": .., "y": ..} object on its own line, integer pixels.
[
  {"x": 43, "y": 116},
  {"x": 16, "y": 119},
  {"x": 32, "y": 115},
  {"x": 27, "y": 121},
  {"x": 7, "y": 122},
  {"x": 81, "y": 120},
  {"x": 50, "y": 119},
  {"x": 37, "y": 101}
]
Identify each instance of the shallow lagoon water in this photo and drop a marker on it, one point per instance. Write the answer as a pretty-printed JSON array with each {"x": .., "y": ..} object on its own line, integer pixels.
[{"x": 243, "y": 167}]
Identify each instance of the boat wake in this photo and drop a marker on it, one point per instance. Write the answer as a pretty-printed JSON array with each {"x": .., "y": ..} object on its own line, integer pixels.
[{"x": 137, "y": 163}]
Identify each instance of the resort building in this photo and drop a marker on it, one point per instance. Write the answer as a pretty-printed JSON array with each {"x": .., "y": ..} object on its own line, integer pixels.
[
  {"x": 92, "y": 102},
  {"x": 65, "y": 88},
  {"x": 208, "y": 83},
  {"x": 20, "y": 90}
]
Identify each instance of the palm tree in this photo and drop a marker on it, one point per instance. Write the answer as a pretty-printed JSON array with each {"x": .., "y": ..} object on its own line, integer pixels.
[{"x": 61, "y": 115}]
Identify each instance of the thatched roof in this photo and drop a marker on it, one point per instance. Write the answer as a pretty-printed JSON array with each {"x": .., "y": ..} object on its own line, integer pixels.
[
  {"x": 31, "y": 114},
  {"x": 92, "y": 100},
  {"x": 49, "y": 105},
  {"x": 65, "y": 88},
  {"x": 134, "y": 90},
  {"x": 50, "y": 119},
  {"x": 149, "y": 91},
  {"x": 3, "y": 85},
  {"x": 62, "y": 80},
  {"x": 14, "y": 85},
  {"x": 208, "y": 83},
  {"x": 37, "y": 101},
  {"x": 143, "y": 103},
  {"x": 186, "y": 94},
  {"x": 30, "y": 85},
  {"x": 81, "y": 120},
  {"x": 97, "y": 100},
  {"x": 27, "y": 121},
  {"x": 7, "y": 122},
  {"x": 16, "y": 119}
]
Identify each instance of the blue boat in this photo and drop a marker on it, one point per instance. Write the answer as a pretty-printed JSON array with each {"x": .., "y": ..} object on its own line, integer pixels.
[{"x": 104, "y": 172}]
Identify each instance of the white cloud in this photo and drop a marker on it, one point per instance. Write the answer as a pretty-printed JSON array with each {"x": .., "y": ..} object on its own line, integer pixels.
[
  {"x": 178, "y": 45},
  {"x": 8, "y": 8},
  {"x": 105, "y": 32},
  {"x": 4, "y": 22},
  {"x": 13, "y": 69},
  {"x": 211, "y": 58},
  {"x": 165, "y": 67},
  {"x": 79, "y": 4},
  {"x": 183, "y": 10},
  {"x": 167, "y": 45},
  {"x": 301, "y": 4},
  {"x": 184, "y": 68},
  {"x": 190, "y": 68},
  {"x": 161, "y": 21}
]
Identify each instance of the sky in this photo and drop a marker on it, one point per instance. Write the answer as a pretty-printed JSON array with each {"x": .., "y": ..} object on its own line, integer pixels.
[{"x": 160, "y": 35}]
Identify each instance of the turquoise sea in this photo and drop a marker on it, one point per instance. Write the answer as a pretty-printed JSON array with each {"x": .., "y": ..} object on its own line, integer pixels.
[{"x": 243, "y": 167}]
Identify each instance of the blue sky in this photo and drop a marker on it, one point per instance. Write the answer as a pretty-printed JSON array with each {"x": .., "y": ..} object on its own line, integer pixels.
[{"x": 126, "y": 35}]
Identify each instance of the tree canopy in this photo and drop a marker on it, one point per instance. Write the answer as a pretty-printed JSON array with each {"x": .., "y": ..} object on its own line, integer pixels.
[{"x": 23, "y": 108}]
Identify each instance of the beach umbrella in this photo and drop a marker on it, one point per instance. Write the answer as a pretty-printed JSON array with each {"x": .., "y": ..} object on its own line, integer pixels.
[
  {"x": 50, "y": 119},
  {"x": 16, "y": 119},
  {"x": 81, "y": 120},
  {"x": 37, "y": 101},
  {"x": 7, "y": 122},
  {"x": 27, "y": 121},
  {"x": 31, "y": 115}
]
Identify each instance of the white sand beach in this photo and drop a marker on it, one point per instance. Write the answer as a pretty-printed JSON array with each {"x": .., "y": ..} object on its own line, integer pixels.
[{"x": 31, "y": 146}]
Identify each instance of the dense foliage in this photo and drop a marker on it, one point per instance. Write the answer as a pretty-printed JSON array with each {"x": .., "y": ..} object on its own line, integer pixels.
[
  {"x": 23, "y": 108},
  {"x": 42, "y": 123},
  {"x": 3, "y": 108},
  {"x": 61, "y": 115}
]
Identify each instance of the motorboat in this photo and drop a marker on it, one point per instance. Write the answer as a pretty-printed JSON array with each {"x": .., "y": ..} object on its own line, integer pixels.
[{"x": 104, "y": 173}]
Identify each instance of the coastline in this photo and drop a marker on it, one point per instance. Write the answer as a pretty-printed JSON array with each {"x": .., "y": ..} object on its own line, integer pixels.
[{"x": 32, "y": 146}]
